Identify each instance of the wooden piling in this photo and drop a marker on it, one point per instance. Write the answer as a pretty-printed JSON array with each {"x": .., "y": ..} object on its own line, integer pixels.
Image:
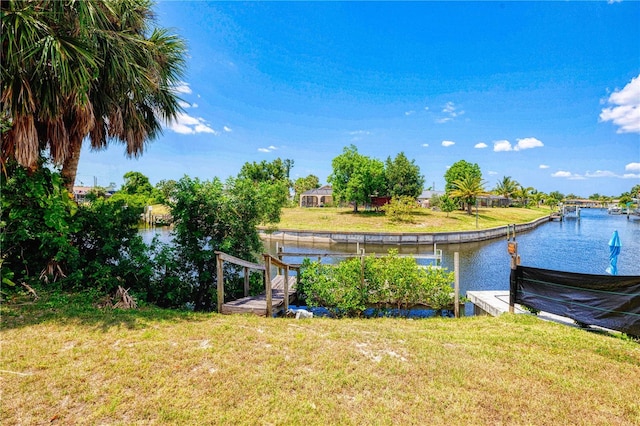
[
  {"x": 220, "y": 275},
  {"x": 456, "y": 288}
]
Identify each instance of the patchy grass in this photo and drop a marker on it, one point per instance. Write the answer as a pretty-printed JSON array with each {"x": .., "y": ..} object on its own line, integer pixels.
[
  {"x": 424, "y": 220},
  {"x": 70, "y": 365}
]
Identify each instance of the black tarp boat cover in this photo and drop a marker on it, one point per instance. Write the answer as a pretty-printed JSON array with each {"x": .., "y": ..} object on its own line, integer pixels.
[{"x": 607, "y": 301}]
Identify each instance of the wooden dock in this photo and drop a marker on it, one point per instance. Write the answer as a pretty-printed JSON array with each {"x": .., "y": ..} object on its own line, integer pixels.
[
  {"x": 280, "y": 290},
  {"x": 556, "y": 216},
  {"x": 258, "y": 304}
]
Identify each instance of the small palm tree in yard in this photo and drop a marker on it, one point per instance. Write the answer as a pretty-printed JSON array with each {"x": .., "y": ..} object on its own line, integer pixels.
[
  {"x": 538, "y": 197},
  {"x": 507, "y": 187},
  {"x": 524, "y": 194},
  {"x": 467, "y": 189}
]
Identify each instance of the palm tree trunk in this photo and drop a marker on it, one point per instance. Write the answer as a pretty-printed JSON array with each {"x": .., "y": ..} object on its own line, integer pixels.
[{"x": 70, "y": 164}]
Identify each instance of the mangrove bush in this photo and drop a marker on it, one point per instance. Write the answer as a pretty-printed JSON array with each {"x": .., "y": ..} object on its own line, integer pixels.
[{"x": 384, "y": 283}]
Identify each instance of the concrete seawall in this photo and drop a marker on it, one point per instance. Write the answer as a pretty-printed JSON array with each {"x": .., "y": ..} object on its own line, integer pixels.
[{"x": 397, "y": 237}]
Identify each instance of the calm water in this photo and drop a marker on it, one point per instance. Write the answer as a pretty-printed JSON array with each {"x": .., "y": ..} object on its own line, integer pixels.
[{"x": 572, "y": 245}]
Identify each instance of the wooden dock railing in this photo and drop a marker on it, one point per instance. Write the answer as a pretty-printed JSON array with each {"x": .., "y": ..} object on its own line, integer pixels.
[
  {"x": 257, "y": 304},
  {"x": 274, "y": 261},
  {"x": 435, "y": 257}
]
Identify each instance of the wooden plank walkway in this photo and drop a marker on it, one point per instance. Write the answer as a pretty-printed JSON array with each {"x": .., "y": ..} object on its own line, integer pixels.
[{"x": 258, "y": 304}]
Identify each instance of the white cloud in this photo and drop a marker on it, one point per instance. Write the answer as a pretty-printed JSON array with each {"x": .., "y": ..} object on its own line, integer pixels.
[
  {"x": 632, "y": 167},
  {"x": 188, "y": 125},
  {"x": 184, "y": 104},
  {"x": 270, "y": 148},
  {"x": 186, "y": 119},
  {"x": 543, "y": 166},
  {"x": 203, "y": 128},
  {"x": 227, "y": 129},
  {"x": 426, "y": 108},
  {"x": 480, "y": 145},
  {"x": 182, "y": 87},
  {"x": 595, "y": 175},
  {"x": 449, "y": 107},
  {"x": 448, "y": 143},
  {"x": 407, "y": 113},
  {"x": 194, "y": 105},
  {"x": 527, "y": 143},
  {"x": 609, "y": 174},
  {"x": 600, "y": 173},
  {"x": 502, "y": 145},
  {"x": 358, "y": 135},
  {"x": 567, "y": 175},
  {"x": 425, "y": 145},
  {"x": 451, "y": 111},
  {"x": 491, "y": 173},
  {"x": 626, "y": 110},
  {"x": 521, "y": 144},
  {"x": 180, "y": 128}
]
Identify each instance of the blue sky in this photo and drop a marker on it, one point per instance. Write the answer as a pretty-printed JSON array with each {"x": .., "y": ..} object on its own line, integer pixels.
[{"x": 545, "y": 92}]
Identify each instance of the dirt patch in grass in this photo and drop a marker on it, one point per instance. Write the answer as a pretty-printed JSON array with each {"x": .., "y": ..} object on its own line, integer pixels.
[{"x": 155, "y": 368}]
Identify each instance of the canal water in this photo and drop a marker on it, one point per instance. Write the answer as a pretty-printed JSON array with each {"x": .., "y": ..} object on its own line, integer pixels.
[{"x": 573, "y": 245}]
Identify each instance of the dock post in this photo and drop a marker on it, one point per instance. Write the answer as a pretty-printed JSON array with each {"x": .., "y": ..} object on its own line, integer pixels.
[
  {"x": 362, "y": 269},
  {"x": 280, "y": 257},
  {"x": 286, "y": 289},
  {"x": 512, "y": 249},
  {"x": 246, "y": 281},
  {"x": 267, "y": 275},
  {"x": 456, "y": 297},
  {"x": 220, "y": 274}
]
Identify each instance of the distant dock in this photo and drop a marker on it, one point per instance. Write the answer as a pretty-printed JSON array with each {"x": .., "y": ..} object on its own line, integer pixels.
[{"x": 556, "y": 216}]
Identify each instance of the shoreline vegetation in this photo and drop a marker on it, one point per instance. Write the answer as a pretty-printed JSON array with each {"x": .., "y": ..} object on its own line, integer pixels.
[
  {"x": 337, "y": 219},
  {"x": 112, "y": 366}
]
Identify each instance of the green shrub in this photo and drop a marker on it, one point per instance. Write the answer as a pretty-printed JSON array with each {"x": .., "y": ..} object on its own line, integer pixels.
[
  {"x": 400, "y": 209},
  {"x": 47, "y": 238},
  {"x": 337, "y": 288},
  {"x": 37, "y": 218},
  {"x": 353, "y": 285}
]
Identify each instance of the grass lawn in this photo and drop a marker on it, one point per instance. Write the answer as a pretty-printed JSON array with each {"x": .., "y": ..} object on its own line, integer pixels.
[
  {"x": 425, "y": 220},
  {"x": 62, "y": 363}
]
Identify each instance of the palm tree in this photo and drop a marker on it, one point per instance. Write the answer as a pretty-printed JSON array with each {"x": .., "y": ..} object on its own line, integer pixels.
[
  {"x": 557, "y": 196},
  {"x": 523, "y": 193},
  {"x": 467, "y": 189},
  {"x": 506, "y": 187},
  {"x": 74, "y": 69},
  {"x": 538, "y": 197}
]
